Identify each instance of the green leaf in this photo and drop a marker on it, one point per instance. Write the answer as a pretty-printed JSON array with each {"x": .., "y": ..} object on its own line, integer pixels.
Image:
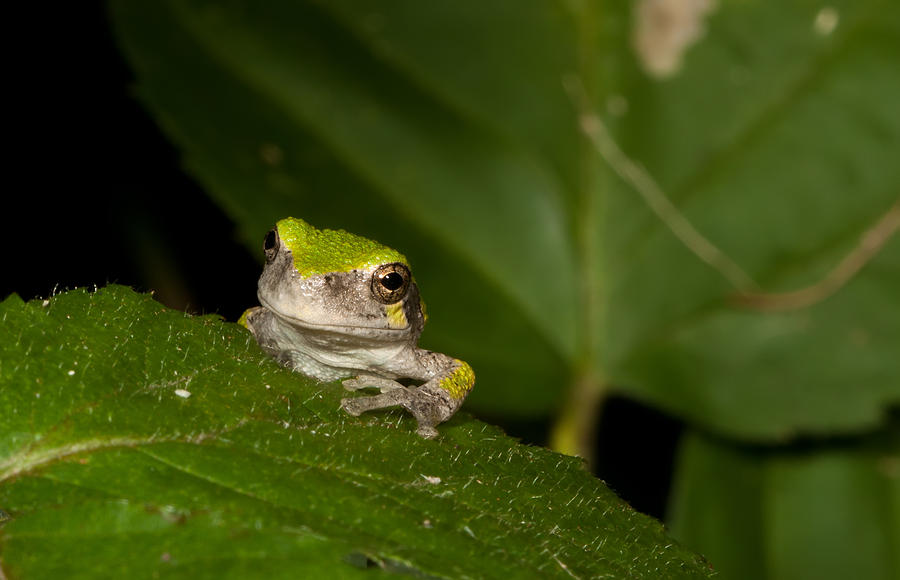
[
  {"x": 446, "y": 131},
  {"x": 139, "y": 441},
  {"x": 826, "y": 511}
]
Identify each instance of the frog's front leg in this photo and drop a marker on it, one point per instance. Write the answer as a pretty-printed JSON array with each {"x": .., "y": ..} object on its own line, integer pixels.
[{"x": 431, "y": 403}]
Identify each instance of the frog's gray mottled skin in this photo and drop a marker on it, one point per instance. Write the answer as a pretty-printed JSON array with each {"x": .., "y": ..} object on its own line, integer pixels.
[{"x": 332, "y": 307}]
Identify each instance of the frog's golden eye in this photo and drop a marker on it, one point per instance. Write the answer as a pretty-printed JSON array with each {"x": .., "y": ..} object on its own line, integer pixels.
[
  {"x": 390, "y": 282},
  {"x": 270, "y": 245}
]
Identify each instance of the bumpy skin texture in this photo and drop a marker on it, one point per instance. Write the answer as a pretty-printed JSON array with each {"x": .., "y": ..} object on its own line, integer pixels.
[{"x": 324, "y": 314}]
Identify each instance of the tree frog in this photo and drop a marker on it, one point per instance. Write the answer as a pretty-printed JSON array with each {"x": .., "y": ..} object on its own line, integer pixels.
[{"x": 337, "y": 305}]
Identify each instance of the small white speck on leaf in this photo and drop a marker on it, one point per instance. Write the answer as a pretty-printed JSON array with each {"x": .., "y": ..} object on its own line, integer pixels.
[
  {"x": 268, "y": 386},
  {"x": 45, "y": 303},
  {"x": 182, "y": 393},
  {"x": 889, "y": 466},
  {"x": 271, "y": 154},
  {"x": 617, "y": 105},
  {"x": 37, "y": 395},
  {"x": 859, "y": 337},
  {"x": 427, "y": 524},
  {"x": 432, "y": 479},
  {"x": 70, "y": 373},
  {"x": 826, "y": 20}
]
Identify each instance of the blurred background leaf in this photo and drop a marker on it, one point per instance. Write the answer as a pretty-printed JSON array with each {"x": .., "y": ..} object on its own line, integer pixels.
[
  {"x": 447, "y": 132},
  {"x": 812, "y": 511}
]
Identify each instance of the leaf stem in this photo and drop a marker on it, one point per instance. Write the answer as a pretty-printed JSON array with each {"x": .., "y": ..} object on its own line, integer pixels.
[
  {"x": 576, "y": 424},
  {"x": 575, "y": 430}
]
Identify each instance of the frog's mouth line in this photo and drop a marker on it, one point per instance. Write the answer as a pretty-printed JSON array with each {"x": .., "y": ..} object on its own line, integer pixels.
[{"x": 338, "y": 328}]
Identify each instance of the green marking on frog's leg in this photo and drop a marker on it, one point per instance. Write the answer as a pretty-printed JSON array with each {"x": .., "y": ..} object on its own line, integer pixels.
[
  {"x": 459, "y": 382},
  {"x": 318, "y": 251},
  {"x": 243, "y": 319}
]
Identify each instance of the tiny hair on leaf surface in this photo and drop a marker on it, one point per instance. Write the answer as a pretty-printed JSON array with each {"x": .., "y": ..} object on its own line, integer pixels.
[{"x": 107, "y": 469}]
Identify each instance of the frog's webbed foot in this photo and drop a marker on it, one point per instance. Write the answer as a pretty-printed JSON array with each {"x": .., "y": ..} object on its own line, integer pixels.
[
  {"x": 428, "y": 403},
  {"x": 366, "y": 381}
]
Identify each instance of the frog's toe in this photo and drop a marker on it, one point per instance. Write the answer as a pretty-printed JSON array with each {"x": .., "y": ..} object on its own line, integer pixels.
[
  {"x": 354, "y": 384},
  {"x": 352, "y": 407},
  {"x": 358, "y": 405},
  {"x": 427, "y": 431},
  {"x": 367, "y": 381}
]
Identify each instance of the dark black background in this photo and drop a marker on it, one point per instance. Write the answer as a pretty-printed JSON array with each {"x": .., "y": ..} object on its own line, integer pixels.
[
  {"x": 95, "y": 194},
  {"x": 99, "y": 195}
]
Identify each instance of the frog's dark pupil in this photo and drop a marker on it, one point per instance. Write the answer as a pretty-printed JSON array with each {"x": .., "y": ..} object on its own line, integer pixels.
[
  {"x": 270, "y": 241},
  {"x": 392, "y": 281}
]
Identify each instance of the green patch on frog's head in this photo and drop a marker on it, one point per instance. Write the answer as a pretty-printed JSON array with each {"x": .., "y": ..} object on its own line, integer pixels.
[{"x": 318, "y": 252}]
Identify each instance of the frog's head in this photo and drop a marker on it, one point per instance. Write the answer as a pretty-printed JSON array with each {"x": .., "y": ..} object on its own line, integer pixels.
[{"x": 336, "y": 281}]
